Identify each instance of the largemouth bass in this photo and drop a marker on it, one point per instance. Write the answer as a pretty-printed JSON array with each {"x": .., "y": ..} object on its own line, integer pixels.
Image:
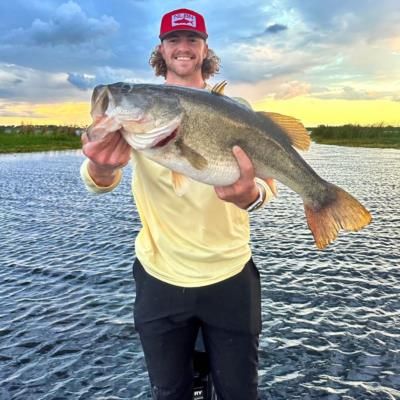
[{"x": 192, "y": 132}]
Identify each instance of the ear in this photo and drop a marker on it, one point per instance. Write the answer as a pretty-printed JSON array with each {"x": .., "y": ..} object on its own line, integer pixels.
[{"x": 205, "y": 54}]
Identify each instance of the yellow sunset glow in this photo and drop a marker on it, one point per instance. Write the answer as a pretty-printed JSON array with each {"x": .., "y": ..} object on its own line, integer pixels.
[
  {"x": 69, "y": 113},
  {"x": 311, "y": 111},
  {"x": 314, "y": 112}
]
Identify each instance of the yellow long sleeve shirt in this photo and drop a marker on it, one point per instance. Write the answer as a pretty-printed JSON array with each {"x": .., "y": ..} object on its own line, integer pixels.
[{"x": 190, "y": 241}]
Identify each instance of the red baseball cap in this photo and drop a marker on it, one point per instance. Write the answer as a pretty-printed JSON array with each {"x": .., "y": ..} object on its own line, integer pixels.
[{"x": 183, "y": 19}]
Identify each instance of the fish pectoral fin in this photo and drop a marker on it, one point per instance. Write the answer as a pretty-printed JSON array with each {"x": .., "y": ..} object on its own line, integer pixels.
[
  {"x": 272, "y": 185},
  {"x": 195, "y": 159},
  {"x": 292, "y": 127},
  {"x": 99, "y": 102},
  {"x": 219, "y": 88},
  {"x": 180, "y": 183}
]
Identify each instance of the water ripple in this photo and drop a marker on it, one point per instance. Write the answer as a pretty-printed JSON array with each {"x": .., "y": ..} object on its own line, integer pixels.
[{"x": 331, "y": 318}]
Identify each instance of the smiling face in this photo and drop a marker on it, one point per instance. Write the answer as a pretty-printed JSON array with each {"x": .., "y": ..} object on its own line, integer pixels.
[{"x": 183, "y": 53}]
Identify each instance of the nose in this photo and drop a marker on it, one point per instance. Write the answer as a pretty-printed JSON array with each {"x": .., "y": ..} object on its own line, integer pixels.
[{"x": 184, "y": 45}]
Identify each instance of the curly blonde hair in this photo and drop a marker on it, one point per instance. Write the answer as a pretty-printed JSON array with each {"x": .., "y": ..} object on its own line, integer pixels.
[{"x": 209, "y": 68}]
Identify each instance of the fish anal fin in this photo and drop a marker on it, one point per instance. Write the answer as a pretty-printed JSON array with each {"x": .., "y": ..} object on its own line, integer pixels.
[
  {"x": 292, "y": 127},
  {"x": 179, "y": 182},
  {"x": 342, "y": 211},
  {"x": 219, "y": 88},
  {"x": 195, "y": 159}
]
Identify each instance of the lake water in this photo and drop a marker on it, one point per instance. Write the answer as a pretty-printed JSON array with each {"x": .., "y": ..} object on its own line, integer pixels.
[{"x": 331, "y": 318}]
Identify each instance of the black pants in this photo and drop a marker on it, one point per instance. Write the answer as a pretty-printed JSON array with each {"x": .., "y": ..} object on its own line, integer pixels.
[{"x": 168, "y": 319}]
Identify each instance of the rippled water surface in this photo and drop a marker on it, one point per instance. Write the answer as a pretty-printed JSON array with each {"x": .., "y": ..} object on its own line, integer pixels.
[{"x": 331, "y": 318}]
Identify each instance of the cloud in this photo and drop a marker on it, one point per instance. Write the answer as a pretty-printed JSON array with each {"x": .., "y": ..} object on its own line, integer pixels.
[
  {"x": 275, "y": 28},
  {"x": 28, "y": 84},
  {"x": 347, "y": 93},
  {"x": 81, "y": 81},
  {"x": 278, "y": 88},
  {"x": 107, "y": 75},
  {"x": 69, "y": 26},
  {"x": 259, "y": 61},
  {"x": 237, "y": 21},
  {"x": 349, "y": 21},
  {"x": 272, "y": 29},
  {"x": 77, "y": 37},
  {"x": 60, "y": 49},
  {"x": 289, "y": 90},
  {"x": 352, "y": 93},
  {"x": 18, "y": 110}
]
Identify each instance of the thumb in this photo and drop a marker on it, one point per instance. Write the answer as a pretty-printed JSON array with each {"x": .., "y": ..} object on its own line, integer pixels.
[{"x": 244, "y": 162}]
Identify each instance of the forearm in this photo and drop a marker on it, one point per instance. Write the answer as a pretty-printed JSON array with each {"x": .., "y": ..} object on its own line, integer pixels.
[
  {"x": 98, "y": 180},
  {"x": 102, "y": 176},
  {"x": 255, "y": 198},
  {"x": 247, "y": 197}
]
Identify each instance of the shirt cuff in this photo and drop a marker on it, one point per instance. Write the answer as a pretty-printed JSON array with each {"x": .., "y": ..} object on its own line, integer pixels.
[{"x": 91, "y": 185}]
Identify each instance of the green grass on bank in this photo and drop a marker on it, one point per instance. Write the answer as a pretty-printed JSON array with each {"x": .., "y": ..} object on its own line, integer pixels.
[
  {"x": 358, "y": 136},
  {"x": 31, "y": 138}
]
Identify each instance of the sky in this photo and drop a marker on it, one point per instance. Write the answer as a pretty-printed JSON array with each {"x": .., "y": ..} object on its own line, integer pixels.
[{"x": 326, "y": 62}]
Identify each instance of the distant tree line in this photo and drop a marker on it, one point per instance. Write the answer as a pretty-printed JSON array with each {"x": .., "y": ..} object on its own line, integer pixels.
[
  {"x": 46, "y": 130},
  {"x": 357, "y": 135}
]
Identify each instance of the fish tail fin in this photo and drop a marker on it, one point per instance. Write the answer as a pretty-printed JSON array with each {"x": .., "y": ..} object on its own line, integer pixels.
[{"x": 339, "y": 211}]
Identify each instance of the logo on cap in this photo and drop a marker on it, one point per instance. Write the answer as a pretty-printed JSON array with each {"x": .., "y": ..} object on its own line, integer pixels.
[{"x": 183, "y": 19}]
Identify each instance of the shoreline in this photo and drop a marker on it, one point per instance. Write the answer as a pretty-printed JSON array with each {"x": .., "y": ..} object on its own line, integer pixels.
[
  {"x": 52, "y": 147},
  {"x": 31, "y": 138},
  {"x": 372, "y": 145},
  {"x": 37, "y": 149}
]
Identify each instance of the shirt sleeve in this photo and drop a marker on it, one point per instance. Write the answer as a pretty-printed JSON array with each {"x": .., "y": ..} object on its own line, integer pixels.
[{"x": 91, "y": 185}]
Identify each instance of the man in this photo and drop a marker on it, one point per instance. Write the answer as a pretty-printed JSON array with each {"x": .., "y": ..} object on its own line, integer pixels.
[{"x": 193, "y": 268}]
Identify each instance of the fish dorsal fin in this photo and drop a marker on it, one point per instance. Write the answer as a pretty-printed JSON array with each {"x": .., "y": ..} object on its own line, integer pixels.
[
  {"x": 179, "y": 182},
  {"x": 219, "y": 87},
  {"x": 293, "y": 128}
]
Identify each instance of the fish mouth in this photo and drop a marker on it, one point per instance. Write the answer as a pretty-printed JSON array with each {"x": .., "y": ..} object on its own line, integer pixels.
[{"x": 154, "y": 138}]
